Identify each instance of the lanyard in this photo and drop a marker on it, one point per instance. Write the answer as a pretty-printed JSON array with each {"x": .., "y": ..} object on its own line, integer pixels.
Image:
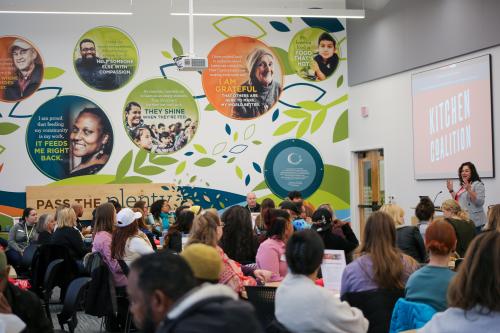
[{"x": 26, "y": 230}]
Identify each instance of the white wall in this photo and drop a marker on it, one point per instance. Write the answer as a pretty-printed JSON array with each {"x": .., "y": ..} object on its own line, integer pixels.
[{"x": 389, "y": 126}]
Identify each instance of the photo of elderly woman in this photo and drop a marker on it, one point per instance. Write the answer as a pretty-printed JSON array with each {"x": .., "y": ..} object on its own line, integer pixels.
[
  {"x": 261, "y": 91},
  {"x": 91, "y": 142}
]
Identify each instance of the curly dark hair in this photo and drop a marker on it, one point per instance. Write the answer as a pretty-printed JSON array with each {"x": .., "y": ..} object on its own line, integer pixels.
[
  {"x": 155, "y": 208},
  {"x": 238, "y": 240}
]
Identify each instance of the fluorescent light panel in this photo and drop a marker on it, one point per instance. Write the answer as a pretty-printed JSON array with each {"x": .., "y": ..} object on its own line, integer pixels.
[
  {"x": 67, "y": 7},
  {"x": 338, "y": 13},
  {"x": 63, "y": 13}
]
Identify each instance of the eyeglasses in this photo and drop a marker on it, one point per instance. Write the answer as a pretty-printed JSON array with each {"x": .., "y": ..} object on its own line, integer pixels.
[{"x": 88, "y": 49}]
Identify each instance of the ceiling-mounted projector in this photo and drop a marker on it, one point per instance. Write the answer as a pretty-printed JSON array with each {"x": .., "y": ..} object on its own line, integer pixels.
[{"x": 191, "y": 63}]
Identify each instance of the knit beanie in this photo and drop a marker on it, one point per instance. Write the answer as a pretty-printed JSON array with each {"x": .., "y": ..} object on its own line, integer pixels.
[{"x": 204, "y": 260}]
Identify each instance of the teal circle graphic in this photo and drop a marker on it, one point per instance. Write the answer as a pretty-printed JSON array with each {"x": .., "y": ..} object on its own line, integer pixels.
[{"x": 293, "y": 165}]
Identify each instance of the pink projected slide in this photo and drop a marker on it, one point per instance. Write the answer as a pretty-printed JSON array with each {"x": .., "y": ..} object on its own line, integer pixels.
[{"x": 452, "y": 119}]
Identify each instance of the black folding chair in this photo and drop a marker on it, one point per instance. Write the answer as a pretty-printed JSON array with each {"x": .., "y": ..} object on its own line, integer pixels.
[
  {"x": 262, "y": 298},
  {"x": 73, "y": 302}
]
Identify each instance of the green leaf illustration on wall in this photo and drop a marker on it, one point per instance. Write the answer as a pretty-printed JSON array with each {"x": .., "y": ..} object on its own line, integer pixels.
[
  {"x": 231, "y": 160},
  {"x": 180, "y": 168},
  {"x": 285, "y": 128},
  {"x": 283, "y": 57},
  {"x": 235, "y": 136},
  {"x": 239, "y": 172},
  {"x": 340, "y": 81},
  {"x": 297, "y": 114},
  {"x": 166, "y": 54},
  {"x": 204, "y": 162},
  {"x": 50, "y": 73},
  {"x": 310, "y": 105},
  {"x": 341, "y": 130},
  {"x": 249, "y": 132},
  {"x": 246, "y": 20},
  {"x": 133, "y": 180},
  {"x": 124, "y": 165},
  {"x": 161, "y": 160},
  {"x": 257, "y": 142},
  {"x": 2, "y": 149},
  {"x": 8, "y": 128},
  {"x": 318, "y": 121},
  {"x": 192, "y": 179},
  {"x": 219, "y": 148},
  {"x": 85, "y": 180},
  {"x": 289, "y": 19},
  {"x": 303, "y": 127},
  {"x": 200, "y": 149},
  {"x": 149, "y": 170},
  {"x": 140, "y": 158},
  {"x": 177, "y": 47},
  {"x": 209, "y": 107}
]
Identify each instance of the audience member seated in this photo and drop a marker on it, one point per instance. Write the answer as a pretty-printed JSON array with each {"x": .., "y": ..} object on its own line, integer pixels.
[
  {"x": 260, "y": 226},
  {"x": 78, "y": 208},
  {"x": 141, "y": 222},
  {"x": 178, "y": 233},
  {"x": 160, "y": 210},
  {"x": 105, "y": 220},
  {"x": 168, "y": 301},
  {"x": 493, "y": 219},
  {"x": 430, "y": 283},
  {"x": 252, "y": 205},
  {"x": 22, "y": 303},
  {"x": 205, "y": 262},
  {"x": 294, "y": 196},
  {"x": 424, "y": 213},
  {"x": 128, "y": 242},
  {"x": 408, "y": 237},
  {"x": 381, "y": 264},
  {"x": 459, "y": 219},
  {"x": 301, "y": 305},
  {"x": 323, "y": 224},
  {"x": 271, "y": 252},
  {"x": 21, "y": 235},
  {"x": 67, "y": 235},
  {"x": 45, "y": 228},
  {"x": 295, "y": 210},
  {"x": 474, "y": 292},
  {"x": 207, "y": 229},
  {"x": 238, "y": 240}
]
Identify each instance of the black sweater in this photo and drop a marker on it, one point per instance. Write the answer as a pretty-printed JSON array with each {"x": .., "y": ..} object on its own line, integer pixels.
[{"x": 72, "y": 239}]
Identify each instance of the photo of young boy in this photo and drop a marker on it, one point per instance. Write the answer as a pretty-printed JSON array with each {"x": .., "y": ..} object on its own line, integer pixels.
[{"x": 327, "y": 60}]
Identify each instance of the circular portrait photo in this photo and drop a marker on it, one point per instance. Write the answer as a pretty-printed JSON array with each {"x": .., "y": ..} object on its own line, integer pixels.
[
  {"x": 105, "y": 58},
  {"x": 244, "y": 78},
  {"x": 69, "y": 136},
  {"x": 160, "y": 116},
  {"x": 314, "y": 54},
  {"x": 21, "y": 68}
]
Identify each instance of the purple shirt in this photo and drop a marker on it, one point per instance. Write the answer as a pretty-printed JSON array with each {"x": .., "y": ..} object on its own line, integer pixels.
[
  {"x": 358, "y": 275},
  {"x": 102, "y": 244},
  {"x": 271, "y": 257}
]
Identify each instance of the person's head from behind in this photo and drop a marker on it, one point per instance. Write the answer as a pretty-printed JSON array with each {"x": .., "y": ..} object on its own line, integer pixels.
[
  {"x": 155, "y": 282},
  {"x": 206, "y": 229},
  {"x": 184, "y": 221},
  {"x": 326, "y": 46},
  {"x": 23, "y": 55},
  {"x": 267, "y": 203},
  {"x": 440, "y": 238},
  {"x": 304, "y": 253},
  {"x": 238, "y": 234},
  {"x": 452, "y": 209},
  {"x": 251, "y": 200},
  {"x": 116, "y": 204},
  {"x": 395, "y": 212},
  {"x": 260, "y": 64},
  {"x": 87, "y": 49},
  {"x": 477, "y": 280},
  {"x": 292, "y": 208},
  {"x": 205, "y": 262},
  {"x": 127, "y": 226},
  {"x": 493, "y": 218},
  {"x": 4, "y": 271},
  {"x": 322, "y": 220},
  {"x": 66, "y": 217},
  {"x": 90, "y": 134},
  {"x": 105, "y": 218},
  {"x": 328, "y": 207},
  {"x": 424, "y": 210},
  {"x": 380, "y": 245},
  {"x": 278, "y": 224},
  {"x": 46, "y": 222},
  {"x": 467, "y": 173},
  {"x": 294, "y": 196},
  {"x": 133, "y": 113},
  {"x": 143, "y": 206},
  {"x": 143, "y": 137}
]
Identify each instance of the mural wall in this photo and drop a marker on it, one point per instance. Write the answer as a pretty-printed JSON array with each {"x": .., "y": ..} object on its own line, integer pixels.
[{"x": 102, "y": 102}]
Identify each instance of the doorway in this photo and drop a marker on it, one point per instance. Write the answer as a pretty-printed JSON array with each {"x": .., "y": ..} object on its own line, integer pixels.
[{"x": 371, "y": 184}]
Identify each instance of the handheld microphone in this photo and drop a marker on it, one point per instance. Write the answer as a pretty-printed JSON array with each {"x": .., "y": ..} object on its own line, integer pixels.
[{"x": 437, "y": 195}]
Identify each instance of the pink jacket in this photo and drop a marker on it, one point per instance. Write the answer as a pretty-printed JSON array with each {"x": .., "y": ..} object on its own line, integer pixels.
[
  {"x": 102, "y": 244},
  {"x": 271, "y": 257}
]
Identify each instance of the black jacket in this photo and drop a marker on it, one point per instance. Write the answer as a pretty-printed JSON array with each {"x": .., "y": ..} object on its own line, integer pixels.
[
  {"x": 71, "y": 239},
  {"x": 27, "y": 306},
  {"x": 210, "y": 309},
  {"x": 336, "y": 242},
  {"x": 409, "y": 240}
]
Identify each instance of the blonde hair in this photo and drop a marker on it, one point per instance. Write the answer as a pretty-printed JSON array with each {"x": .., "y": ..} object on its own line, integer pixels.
[
  {"x": 66, "y": 217},
  {"x": 204, "y": 229},
  {"x": 395, "y": 212},
  {"x": 493, "y": 218},
  {"x": 455, "y": 209}
]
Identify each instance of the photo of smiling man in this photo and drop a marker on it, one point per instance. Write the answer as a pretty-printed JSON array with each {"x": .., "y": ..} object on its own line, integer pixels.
[{"x": 26, "y": 72}]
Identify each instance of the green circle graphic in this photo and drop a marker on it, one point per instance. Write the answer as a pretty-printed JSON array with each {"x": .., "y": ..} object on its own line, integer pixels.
[
  {"x": 105, "y": 58},
  {"x": 302, "y": 52},
  {"x": 161, "y": 116}
]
